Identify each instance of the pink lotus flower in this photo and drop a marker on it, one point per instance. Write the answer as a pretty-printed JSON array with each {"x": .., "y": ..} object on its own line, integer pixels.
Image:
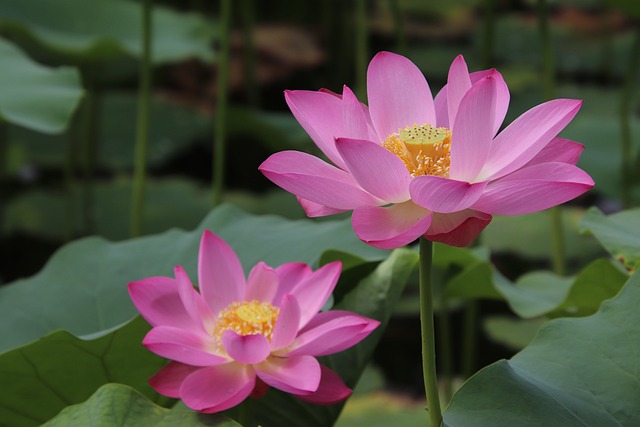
[
  {"x": 240, "y": 336},
  {"x": 410, "y": 165}
]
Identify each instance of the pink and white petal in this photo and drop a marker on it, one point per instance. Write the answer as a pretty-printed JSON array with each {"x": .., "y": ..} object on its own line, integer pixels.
[
  {"x": 314, "y": 210},
  {"x": 376, "y": 169},
  {"x": 533, "y": 189},
  {"x": 444, "y": 195},
  {"x": 398, "y": 94},
  {"x": 502, "y": 95},
  {"x": 331, "y": 389},
  {"x": 331, "y": 332},
  {"x": 558, "y": 150},
  {"x": 516, "y": 145},
  {"x": 296, "y": 375},
  {"x": 216, "y": 388},
  {"x": 440, "y": 103},
  {"x": 168, "y": 380},
  {"x": 458, "y": 83},
  {"x": 193, "y": 302},
  {"x": 355, "y": 120},
  {"x": 471, "y": 137},
  {"x": 314, "y": 291},
  {"x": 457, "y": 229},
  {"x": 289, "y": 275},
  {"x": 158, "y": 301},
  {"x": 321, "y": 115},
  {"x": 309, "y": 177},
  {"x": 220, "y": 273},
  {"x": 189, "y": 347},
  {"x": 246, "y": 349},
  {"x": 262, "y": 284},
  {"x": 390, "y": 227},
  {"x": 287, "y": 325}
]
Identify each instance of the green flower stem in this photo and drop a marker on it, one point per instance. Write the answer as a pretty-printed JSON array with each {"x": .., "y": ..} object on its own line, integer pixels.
[
  {"x": 248, "y": 18},
  {"x": 488, "y": 32},
  {"x": 428, "y": 338},
  {"x": 558, "y": 255},
  {"x": 625, "y": 112},
  {"x": 362, "y": 49},
  {"x": 142, "y": 128},
  {"x": 398, "y": 26},
  {"x": 221, "y": 102}
]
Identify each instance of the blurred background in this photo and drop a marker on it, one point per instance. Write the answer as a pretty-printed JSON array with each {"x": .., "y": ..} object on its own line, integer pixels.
[{"x": 69, "y": 171}]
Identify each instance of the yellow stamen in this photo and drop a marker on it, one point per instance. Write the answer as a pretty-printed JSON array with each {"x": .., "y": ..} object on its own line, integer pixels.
[
  {"x": 247, "y": 318},
  {"x": 423, "y": 149}
]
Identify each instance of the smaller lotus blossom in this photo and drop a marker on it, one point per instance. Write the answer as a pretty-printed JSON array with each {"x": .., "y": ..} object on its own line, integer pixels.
[
  {"x": 411, "y": 165},
  {"x": 237, "y": 337}
]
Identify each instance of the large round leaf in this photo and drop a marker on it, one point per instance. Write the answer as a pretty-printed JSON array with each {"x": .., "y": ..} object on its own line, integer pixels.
[
  {"x": 102, "y": 29},
  {"x": 618, "y": 233},
  {"x": 577, "y": 372},
  {"x": 118, "y": 405},
  {"x": 36, "y": 97},
  {"x": 82, "y": 289}
]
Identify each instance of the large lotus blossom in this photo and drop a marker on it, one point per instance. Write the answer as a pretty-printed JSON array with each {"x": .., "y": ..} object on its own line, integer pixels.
[
  {"x": 410, "y": 165},
  {"x": 237, "y": 337}
]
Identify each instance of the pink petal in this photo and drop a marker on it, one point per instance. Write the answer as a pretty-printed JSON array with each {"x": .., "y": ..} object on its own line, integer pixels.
[
  {"x": 192, "y": 348},
  {"x": 331, "y": 389},
  {"x": 309, "y": 177},
  {"x": 533, "y": 189},
  {"x": 376, "y": 169},
  {"x": 289, "y": 275},
  {"x": 457, "y": 86},
  {"x": 471, "y": 137},
  {"x": 441, "y": 104},
  {"x": 262, "y": 284},
  {"x": 390, "y": 227},
  {"x": 217, "y": 388},
  {"x": 457, "y": 229},
  {"x": 296, "y": 375},
  {"x": 195, "y": 306},
  {"x": 502, "y": 95},
  {"x": 331, "y": 332},
  {"x": 399, "y": 95},
  {"x": 158, "y": 301},
  {"x": 356, "y": 125},
  {"x": 286, "y": 328},
  {"x": 321, "y": 115},
  {"x": 516, "y": 145},
  {"x": 169, "y": 379},
  {"x": 246, "y": 349},
  {"x": 313, "y": 209},
  {"x": 445, "y": 195},
  {"x": 558, "y": 150},
  {"x": 219, "y": 272},
  {"x": 501, "y": 104},
  {"x": 314, "y": 291}
]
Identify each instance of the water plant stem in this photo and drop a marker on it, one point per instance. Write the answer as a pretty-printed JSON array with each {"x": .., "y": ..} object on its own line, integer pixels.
[
  {"x": 222, "y": 102},
  {"x": 488, "y": 33},
  {"x": 362, "y": 49},
  {"x": 248, "y": 21},
  {"x": 625, "y": 125},
  {"x": 142, "y": 127},
  {"x": 398, "y": 27},
  {"x": 558, "y": 252},
  {"x": 428, "y": 333}
]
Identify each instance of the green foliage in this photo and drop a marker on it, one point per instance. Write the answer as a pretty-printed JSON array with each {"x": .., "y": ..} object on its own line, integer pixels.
[
  {"x": 618, "y": 233},
  {"x": 81, "y": 32},
  {"x": 36, "y": 97},
  {"x": 118, "y": 405},
  {"x": 60, "y": 370},
  {"x": 577, "y": 372},
  {"x": 82, "y": 289}
]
